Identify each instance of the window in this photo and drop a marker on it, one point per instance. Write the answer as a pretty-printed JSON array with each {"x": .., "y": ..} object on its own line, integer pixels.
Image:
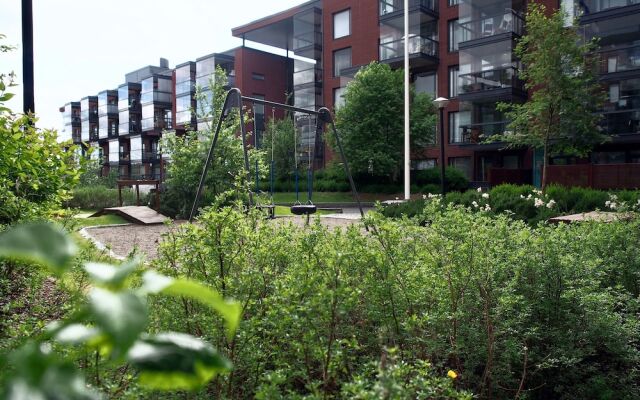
[
  {"x": 452, "y": 3},
  {"x": 463, "y": 164},
  {"x": 455, "y": 133},
  {"x": 341, "y": 60},
  {"x": 454, "y": 81},
  {"x": 342, "y": 24},
  {"x": 454, "y": 35},
  {"x": 338, "y": 97},
  {"x": 426, "y": 84},
  {"x": 421, "y": 165},
  {"x": 257, "y": 77}
]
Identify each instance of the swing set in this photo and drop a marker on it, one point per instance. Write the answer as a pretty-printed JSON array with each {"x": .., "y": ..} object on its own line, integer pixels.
[{"x": 234, "y": 100}]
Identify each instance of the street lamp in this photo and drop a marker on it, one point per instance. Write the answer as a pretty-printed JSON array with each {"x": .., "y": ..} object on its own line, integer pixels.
[{"x": 441, "y": 103}]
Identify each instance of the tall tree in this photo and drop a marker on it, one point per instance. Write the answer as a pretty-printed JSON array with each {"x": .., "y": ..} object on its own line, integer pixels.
[
  {"x": 371, "y": 121},
  {"x": 560, "y": 116}
]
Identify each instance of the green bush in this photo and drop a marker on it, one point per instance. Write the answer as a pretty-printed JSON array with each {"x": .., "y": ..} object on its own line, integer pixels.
[
  {"x": 551, "y": 310},
  {"x": 98, "y": 197},
  {"x": 455, "y": 179}
]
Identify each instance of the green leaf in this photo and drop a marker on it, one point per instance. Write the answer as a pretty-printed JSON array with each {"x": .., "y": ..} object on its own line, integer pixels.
[
  {"x": 230, "y": 311},
  {"x": 171, "y": 361},
  {"x": 109, "y": 275},
  {"x": 41, "y": 375},
  {"x": 76, "y": 334},
  {"x": 42, "y": 243},
  {"x": 122, "y": 316}
]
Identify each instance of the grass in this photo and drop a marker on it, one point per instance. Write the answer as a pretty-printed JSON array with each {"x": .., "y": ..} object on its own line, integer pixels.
[
  {"x": 325, "y": 197},
  {"x": 108, "y": 219}
]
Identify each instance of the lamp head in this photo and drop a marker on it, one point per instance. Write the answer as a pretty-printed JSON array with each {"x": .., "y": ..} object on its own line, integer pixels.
[{"x": 441, "y": 102}]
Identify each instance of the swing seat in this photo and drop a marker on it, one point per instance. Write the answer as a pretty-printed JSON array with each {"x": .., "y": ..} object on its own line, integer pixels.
[{"x": 303, "y": 209}]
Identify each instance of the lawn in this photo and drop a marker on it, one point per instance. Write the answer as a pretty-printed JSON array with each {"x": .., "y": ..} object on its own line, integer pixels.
[
  {"x": 325, "y": 197},
  {"x": 83, "y": 220}
]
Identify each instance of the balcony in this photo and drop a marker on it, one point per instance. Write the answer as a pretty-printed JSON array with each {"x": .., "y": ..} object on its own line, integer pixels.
[
  {"x": 308, "y": 76},
  {"x": 495, "y": 82},
  {"x": 93, "y": 135},
  {"x": 620, "y": 60},
  {"x": 156, "y": 124},
  {"x": 392, "y": 11},
  {"x": 75, "y": 120},
  {"x": 150, "y": 157},
  {"x": 621, "y": 122},
  {"x": 423, "y": 51},
  {"x": 478, "y": 133},
  {"x": 594, "y": 6},
  {"x": 496, "y": 27},
  {"x": 76, "y": 137},
  {"x": 107, "y": 109},
  {"x": 307, "y": 40},
  {"x": 185, "y": 87},
  {"x": 124, "y": 157}
]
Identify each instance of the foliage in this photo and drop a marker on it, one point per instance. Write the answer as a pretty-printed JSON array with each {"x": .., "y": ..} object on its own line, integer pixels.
[
  {"x": 111, "y": 322},
  {"x": 98, "y": 197},
  {"x": 279, "y": 143},
  {"x": 527, "y": 204},
  {"x": 454, "y": 178},
  {"x": 516, "y": 312},
  {"x": 371, "y": 122},
  {"x": 36, "y": 172},
  {"x": 91, "y": 176},
  {"x": 561, "y": 115},
  {"x": 187, "y": 154}
]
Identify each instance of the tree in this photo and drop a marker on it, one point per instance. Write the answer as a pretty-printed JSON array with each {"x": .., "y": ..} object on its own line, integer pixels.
[
  {"x": 279, "y": 143},
  {"x": 36, "y": 171},
  {"x": 371, "y": 121},
  {"x": 187, "y": 154},
  {"x": 561, "y": 115}
]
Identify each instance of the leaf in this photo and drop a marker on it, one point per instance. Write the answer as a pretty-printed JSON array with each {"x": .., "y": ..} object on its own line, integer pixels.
[
  {"x": 109, "y": 275},
  {"x": 41, "y": 375},
  {"x": 230, "y": 311},
  {"x": 122, "y": 316},
  {"x": 176, "y": 361},
  {"x": 76, "y": 334},
  {"x": 42, "y": 243}
]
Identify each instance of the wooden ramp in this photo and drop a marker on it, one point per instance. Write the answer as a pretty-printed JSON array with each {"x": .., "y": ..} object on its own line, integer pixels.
[
  {"x": 137, "y": 214},
  {"x": 597, "y": 216}
]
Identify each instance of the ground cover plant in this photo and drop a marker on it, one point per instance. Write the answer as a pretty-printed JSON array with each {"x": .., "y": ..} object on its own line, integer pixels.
[{"x": 471, "y": 303}]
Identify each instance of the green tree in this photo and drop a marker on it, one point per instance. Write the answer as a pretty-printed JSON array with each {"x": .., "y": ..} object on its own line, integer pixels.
[
  {"x": 187, "y": 154},
  {"x": 372, "y": 124},
  {"x": 279, "y": 144},
  {"x": 561, "y": 115},
  {"x": 36, "y": 171}
]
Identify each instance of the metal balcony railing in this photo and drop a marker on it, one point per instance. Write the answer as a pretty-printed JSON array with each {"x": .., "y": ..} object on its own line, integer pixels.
[
  {"x": 509, "y": 21},
  {"x": 391, "y": 6},
  {"x": 150, "y": 156},
  {"x": 618, "y": 60},
  {"x": 417, "y": 45},
  {"x": 621, "y": 123},
  {"x": 498, "y": 78}
]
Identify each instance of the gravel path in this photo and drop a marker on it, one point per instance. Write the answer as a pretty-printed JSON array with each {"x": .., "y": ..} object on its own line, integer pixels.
[{"x": 124, "y": 239}]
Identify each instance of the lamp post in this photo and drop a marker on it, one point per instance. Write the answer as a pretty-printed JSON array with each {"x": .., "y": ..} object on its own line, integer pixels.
[
  {"x": 27, "y": 56},
  {"x": 407, "y": 126},
  {"x": 441, "y": 103}
]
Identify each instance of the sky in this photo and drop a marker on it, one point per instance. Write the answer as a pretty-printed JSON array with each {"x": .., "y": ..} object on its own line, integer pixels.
[{"x": 82, "y": 47}]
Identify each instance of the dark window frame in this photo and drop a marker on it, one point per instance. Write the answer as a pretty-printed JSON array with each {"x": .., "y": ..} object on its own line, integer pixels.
[
  {"x": 333, "y": 24},
  {"x": 333, "y": 59}
]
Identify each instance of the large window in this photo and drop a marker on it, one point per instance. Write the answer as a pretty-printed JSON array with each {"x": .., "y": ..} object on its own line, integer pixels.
[
  {"x": 463, "y": 164},
  {"x": 454, "y": 35},
  {"x": 342, "y": 24},
  {"x": 341, "y": 60},
  {"x": 426, "y": 84},
  {"x": 454, "y": 81},
  {"x": 458, "y": 122}
]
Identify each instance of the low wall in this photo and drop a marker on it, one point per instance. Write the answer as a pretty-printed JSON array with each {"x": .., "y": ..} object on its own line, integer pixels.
[{"x": 597, "y": 176}]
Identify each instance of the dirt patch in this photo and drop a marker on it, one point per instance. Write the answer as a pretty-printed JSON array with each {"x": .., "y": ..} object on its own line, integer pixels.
[{"x": 124, "y": 239}]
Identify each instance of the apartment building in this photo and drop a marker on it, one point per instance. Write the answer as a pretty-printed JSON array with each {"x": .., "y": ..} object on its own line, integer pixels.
[
  {"x": 124, "y": 126},
  {"x": 459, "y": 49}
]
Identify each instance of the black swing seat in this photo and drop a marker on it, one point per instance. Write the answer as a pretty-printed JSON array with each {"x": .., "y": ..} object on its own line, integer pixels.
[{"x": 303, "y": 209}]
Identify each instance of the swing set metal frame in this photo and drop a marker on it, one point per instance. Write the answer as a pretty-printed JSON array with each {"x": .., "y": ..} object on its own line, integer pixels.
[{"x": 235, "y": 99}]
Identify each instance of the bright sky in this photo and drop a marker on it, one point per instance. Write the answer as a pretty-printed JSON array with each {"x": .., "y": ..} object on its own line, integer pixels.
[{"x": 84, "y": 46}]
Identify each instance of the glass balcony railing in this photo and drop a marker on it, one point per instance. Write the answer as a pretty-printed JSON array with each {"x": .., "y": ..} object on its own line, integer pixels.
[
  {"x": 307, "y": 39},
  {"x": 417, "y": 45},
  {"x": 478, "y": 133},
  {"x": 621, "y": 123},
  {"x": 594, "y": 6},
  {"x": 508, "y": 22},
  {"x": 161, "y": 97},
  {"x": 150, "y": 156},
  {"x": 129, "y": 128},
  {"x": 108, "y": 109},
  {"x": 306, "y": 76},
  {"x": 153, "y": 123},
  {"x": 618, "y": 60},
  {"x": 185, "y": 87},
  {"x": 499, "y": 78},
  {"x": 391, "y": 6},
  {"x": 623, "y": 103}
]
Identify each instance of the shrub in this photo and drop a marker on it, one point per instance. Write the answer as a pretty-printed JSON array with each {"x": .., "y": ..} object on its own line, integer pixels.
[{"x": 98, "y": 197}]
